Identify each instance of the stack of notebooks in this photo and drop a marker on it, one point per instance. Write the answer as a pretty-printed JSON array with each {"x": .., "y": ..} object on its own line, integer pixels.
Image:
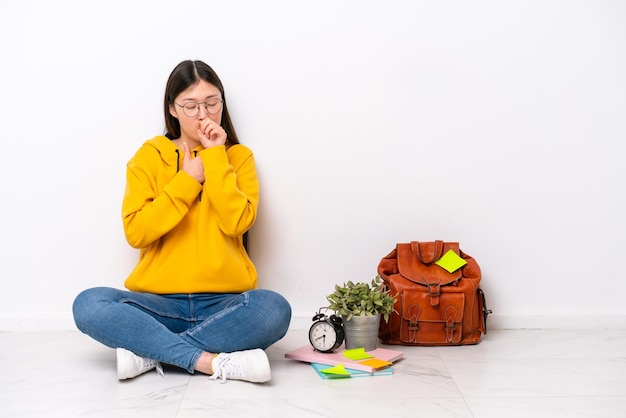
[{"x": 348, "y": 363}]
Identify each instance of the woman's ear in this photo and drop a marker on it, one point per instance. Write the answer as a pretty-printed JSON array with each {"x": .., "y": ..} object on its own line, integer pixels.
[{"x": 173, "y": 111}]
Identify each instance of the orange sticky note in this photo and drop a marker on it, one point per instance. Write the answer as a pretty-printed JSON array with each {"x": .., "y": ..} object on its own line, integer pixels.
[{"x": 375, "y": 363}]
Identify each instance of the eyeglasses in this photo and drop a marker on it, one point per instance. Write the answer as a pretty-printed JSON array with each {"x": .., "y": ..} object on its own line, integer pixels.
[{"x": 192, "y": 109}]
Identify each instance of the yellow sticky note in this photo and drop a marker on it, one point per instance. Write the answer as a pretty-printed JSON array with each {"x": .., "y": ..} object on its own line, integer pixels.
[
  {"x": 451, "y": 261},
  {"x": 375, "y": 363},
  {"x": 338, "y": 370},
  {"x": 357, "y": 354}
]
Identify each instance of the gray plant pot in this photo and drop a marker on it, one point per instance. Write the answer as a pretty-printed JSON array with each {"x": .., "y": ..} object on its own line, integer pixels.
[{"x": 361, "y": 331}]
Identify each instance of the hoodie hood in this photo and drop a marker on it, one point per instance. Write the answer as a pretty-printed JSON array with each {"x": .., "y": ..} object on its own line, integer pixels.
[{"x": 170, "y": 154}]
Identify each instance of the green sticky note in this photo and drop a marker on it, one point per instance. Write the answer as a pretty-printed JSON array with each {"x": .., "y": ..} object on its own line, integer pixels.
[
  {"x": 356, "y": 354},
  {"x": 451, "y": 262},
  {"x": 338, "y": 370}
]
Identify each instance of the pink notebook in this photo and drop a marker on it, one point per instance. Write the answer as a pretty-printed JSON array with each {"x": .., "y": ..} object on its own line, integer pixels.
[{"x": 308, "y": 354}]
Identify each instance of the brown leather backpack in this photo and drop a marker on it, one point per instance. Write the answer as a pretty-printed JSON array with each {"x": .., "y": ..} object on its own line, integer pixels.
[{"x": 434, "y": 306}]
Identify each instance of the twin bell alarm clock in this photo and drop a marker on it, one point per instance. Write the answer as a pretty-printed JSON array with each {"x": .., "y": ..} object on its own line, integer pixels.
[{"x": 326, "y": 333}]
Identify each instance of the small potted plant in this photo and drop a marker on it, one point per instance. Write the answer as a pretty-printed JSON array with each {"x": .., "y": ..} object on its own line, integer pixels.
[{"x": 361, "y": 306}]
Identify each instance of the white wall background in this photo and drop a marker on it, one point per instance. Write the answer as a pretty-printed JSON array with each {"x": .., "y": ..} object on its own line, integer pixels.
[{"x": 497, "y": 124}]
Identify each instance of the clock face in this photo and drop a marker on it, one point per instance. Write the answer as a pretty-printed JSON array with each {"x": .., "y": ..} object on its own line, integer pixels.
[{"x": 323, "y": 336}]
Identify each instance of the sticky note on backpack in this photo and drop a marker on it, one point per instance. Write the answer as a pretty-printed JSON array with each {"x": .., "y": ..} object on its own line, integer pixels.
[{"x": 451, "y": 262}]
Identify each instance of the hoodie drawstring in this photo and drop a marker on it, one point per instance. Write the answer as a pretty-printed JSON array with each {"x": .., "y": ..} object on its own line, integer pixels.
[{"x": 195, "y": 154}]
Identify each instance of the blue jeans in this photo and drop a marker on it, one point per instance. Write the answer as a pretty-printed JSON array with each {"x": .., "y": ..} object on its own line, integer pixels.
[{"x": 176, "y": 329}]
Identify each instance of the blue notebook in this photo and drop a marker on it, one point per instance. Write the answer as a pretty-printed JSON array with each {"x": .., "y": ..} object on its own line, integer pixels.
[{"x": 353, "y": 373}]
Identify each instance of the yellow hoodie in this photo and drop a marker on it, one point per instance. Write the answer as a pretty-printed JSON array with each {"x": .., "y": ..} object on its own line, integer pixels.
[{"x": 190, "y": 234}]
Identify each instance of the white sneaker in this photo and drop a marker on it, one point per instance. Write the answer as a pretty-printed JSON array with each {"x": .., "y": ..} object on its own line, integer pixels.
[
  {"x": 130, "y": 365},
  {"x": 250, "y": 365}
]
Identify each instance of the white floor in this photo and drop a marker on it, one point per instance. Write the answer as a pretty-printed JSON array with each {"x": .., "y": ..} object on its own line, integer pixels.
[{"x": 511, "y": 373}]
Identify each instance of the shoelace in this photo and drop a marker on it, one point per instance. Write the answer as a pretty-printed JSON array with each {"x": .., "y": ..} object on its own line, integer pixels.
[
  {"x": 219, "y": 370},
  {"x": 147, "y": 363}
]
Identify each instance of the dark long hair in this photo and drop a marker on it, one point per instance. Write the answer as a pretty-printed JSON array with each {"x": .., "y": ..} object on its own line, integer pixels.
[{"x": 184, "y": 75}]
